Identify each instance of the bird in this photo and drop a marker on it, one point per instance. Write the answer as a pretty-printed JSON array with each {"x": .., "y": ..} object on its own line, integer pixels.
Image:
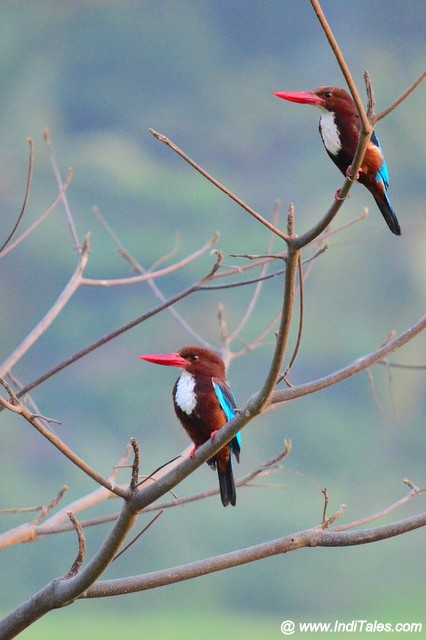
[
  {"x": 339, "y": 127},
  {"x": 204, "y": 403}
]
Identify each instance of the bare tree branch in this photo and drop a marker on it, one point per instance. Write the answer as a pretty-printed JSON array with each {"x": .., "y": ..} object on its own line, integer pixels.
[
  {"x": 51, "y": 315},
  {"x": 217, "y": 184},
  {"x": 136, "y": 538},
  {"x": 198, "y": 286},
  {"x": 151, "y": 275},
  {"x": 352, "y": 369},
  {"x": 81, "y": 547},
  {"x": 415, "y": 491},
  {"x": 316, "y": 537},
  {"x": 43, "y": 216},
  {"x": 83, "y": 581},
  {"x": 55, "y": 524},
  {"x": 21, "y": 409},
  {"x": 136, "y": 266},
  {"x": 26, "y": 196},
  {"x": 397, "y": 102},
  {"x": 59, "y": 182}
]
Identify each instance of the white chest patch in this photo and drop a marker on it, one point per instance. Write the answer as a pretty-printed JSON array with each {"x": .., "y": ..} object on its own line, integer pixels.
[
  {"x": 329, "y": 132},
  {"x": 185, "y": 396}
]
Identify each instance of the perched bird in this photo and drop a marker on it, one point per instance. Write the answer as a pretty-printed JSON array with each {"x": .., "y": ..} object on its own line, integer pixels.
[
  {"x": 204, "y": 404},
  {"x": 339, "y": 127}
]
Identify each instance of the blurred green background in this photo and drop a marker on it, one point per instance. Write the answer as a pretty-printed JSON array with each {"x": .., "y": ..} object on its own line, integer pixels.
[{"x": 99, "y": 74}]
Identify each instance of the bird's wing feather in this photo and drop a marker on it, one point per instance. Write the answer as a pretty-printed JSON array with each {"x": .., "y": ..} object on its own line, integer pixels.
[
  {"x": 383, "y": 171},
  {"x": 225, "y": 396},
  {"x": 227, "y": 402}
]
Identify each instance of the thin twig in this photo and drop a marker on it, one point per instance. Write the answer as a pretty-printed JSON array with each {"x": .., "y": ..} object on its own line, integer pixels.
[
  {"x": 245, "y": 481},
  {"x": 398, "y": 365},
  {"x": 136, "y": 538},
  {"x": 167, "y": 256},
  {"x": 151, "y": 275},
  {"x": 135, "y": 465},
  {"x": 415, "y": 491},
  {"x": 59, "y": 182},
  {"x": 198, "y": 286},
  {"x": 329, "y": 521},
  {"x": 81, "y": 547},
  {"x": 362, "y": 363},
  {"x": 301, "y": 316},
  {"x": 48, "y": 508},
  {"x": 401, "y": 99},
  {"x": 136, "y": 266},
  {"x": 50, "y": 316},
  {"x": 217, "y": 184},
  {"x": 326, "y": 500},
  {"x": 236, "y": 333},
  {"x": 14, "y": 510},
  {"x": 26, "y": 196},
  {"x": 39, "y": 220},
  {"x": 19, "y": 408}
]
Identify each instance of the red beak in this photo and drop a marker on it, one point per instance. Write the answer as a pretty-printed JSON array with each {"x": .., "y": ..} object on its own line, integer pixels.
[
  {"x": 168, "y": 359},
  {"x": 302, "y": 97}
]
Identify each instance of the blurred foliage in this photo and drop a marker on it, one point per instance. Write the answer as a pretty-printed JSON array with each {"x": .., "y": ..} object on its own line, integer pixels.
[{"x": 99, "y": 74}]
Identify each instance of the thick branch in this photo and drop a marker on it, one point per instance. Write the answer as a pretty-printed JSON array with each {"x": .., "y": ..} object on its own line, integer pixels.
[
  {"x": 315, "y": 537},
  {"x": 64, "y": 591},
  {"x": 365, "y": 124},
  {"x": 352, "y": 369}
]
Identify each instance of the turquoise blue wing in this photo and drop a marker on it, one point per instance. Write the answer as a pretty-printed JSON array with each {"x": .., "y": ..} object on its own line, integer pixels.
[
  {"x": 227, "y": 402},
  {"x": 383, "y": 175}
]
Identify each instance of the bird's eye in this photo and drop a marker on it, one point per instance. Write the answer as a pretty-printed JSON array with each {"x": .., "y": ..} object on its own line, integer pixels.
[
  {"x": 328, "y": 95},
  {"x": 193, "y": 358}
]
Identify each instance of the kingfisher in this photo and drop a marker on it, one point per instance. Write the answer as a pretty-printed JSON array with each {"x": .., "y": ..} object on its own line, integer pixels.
[
  {"x": 204, "y": 403},
  {"x": 339, "y": 127}
]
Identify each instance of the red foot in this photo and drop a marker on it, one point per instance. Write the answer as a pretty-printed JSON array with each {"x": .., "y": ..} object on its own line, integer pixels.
[
  {"x": 192, "y": 454},
  {"x": 349, "y": 174},
  {"x": 213, "y": 433},
  {"x": 337, "y": 196}
]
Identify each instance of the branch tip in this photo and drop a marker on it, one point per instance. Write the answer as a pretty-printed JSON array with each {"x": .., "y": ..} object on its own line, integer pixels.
[{"x": 81, "y": 547}]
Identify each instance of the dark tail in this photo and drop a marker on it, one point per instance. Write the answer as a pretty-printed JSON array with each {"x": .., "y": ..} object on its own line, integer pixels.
[
  {"x": 388, "y": 213},
  {"x": 228, "y": 494}
]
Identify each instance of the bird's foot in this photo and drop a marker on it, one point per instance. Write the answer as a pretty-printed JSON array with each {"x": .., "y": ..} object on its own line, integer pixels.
[
  {"x": 192, "y": 454},
  {"x": 213, "y": 433},
  {"x": 349, "y": 173},
  {"x": 337, "y": 196}
]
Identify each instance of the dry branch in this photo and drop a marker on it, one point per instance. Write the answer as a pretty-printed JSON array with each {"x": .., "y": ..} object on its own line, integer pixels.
[
  {"x": 26, "y": 196},
  {"x": 315, "y": 537},
  {"x": 83, "y": 582}
]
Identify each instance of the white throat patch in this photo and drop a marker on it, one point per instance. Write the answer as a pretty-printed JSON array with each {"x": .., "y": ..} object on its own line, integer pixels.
[
  {"x": 185, "y": 396},
  {"x": 329, "y": 132}
]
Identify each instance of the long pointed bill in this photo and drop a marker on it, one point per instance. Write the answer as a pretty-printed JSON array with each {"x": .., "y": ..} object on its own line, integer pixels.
[
  {"x": 168, "y": 359},
  {"x": 302, "y": 97}
]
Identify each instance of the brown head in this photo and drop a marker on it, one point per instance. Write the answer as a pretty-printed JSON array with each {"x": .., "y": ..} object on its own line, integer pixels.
[
  {"x": 195, "y": 360},
  {"x": 332, "y": 99}
]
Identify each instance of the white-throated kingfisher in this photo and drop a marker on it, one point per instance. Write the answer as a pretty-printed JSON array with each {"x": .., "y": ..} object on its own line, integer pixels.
[
  {"x": 204, "y": 403},
  {"x": 339, "y": 127}
]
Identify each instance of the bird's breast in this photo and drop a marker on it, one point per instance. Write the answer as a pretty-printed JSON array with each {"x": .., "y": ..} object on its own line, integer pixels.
[
  {"x": 330, "y": 133},
  {"x": 185, "y": 393}
]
